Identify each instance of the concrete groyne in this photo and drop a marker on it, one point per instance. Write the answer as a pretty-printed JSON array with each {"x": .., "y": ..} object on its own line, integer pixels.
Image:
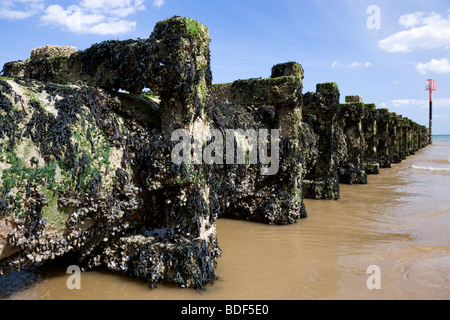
[
  {"x": 89, "y": 170},
  {"x": 342, "y": 142}
]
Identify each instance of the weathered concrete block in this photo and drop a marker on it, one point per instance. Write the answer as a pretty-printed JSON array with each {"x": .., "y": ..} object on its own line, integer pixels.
[
  {"x": 257, "y": 92},
  {"x": 369, "y": 126},
  {"x": 372, "y": 168},
  {"x": 180, "y": 72},
  {"x": 265, "y": 104},
  {"x": 288, "y": 69},
  {"x": 353, "y": 99},
  {"x": 351, "y": 169},
  {"x": 423, "y": 136},
  {"x": 330, "y": 88},
  {"x": 406, "y": 137},
  {"x": 320, "y": 112},
  {"x": 383, "y": 148},
  {"x": 52, "y": 52},
  {"x": 395, "y": 138},
  {"x": 123, "y": 180},
  {"x": 15, "y": 69}
]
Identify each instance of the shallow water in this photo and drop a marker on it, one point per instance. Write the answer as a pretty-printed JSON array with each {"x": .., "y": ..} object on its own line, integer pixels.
[{"x": 399, "y": 222}]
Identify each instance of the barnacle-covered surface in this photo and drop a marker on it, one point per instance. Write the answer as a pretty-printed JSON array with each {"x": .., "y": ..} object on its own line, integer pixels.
[
  {"x": 351, "y": 168},
  {"x": 408, "y": 140},
  {"x": 243, "y": 192},
  {"x": 384, "y": 150},
  {"x": 72, "y": 182},
  {"x": 258, "y": 92},
  {"x": 98, "y": 66},
  {"x": 395, "y": 133},
  {"x": 273, "y": 103},
  {"x": 320, "y": 112},
  {"x": 57, "y": 149},
  {"x": 370, "y": 155},
  {"x": 87, "y": 170}
]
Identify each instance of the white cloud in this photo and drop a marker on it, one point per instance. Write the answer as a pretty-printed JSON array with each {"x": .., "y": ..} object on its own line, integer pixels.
[
  {"x": 441, "y": 103},
  {"x": 410, "y": 20},
  {"x": 119, "y": 8},
  {"x": 95, "y": 16},
  {"x": 434, "y": 66},
  {"x": 355, "y": 64},
  {"x": 113, "y": 27},
  {"x": 158, "y": 3},
  {"x": 20, "y": 9},
  {"x": 352, "y": 65},
  {"x": 425, "y": 31},
  {"x": 403, "y": 103},
  {"x": 360, "y": 64}
]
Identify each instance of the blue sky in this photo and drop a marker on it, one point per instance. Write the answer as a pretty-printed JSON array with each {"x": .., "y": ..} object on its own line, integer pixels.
[{"x": 381, "y": 50}]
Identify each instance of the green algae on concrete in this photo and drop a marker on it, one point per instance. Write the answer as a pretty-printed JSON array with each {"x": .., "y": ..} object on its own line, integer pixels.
[
  {"x": 186, "y": 26},
  {"x": 259, "y": 91},
  {"x": 351, "y": 169}
]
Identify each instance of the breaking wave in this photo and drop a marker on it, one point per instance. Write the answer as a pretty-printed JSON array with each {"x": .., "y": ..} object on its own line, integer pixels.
[{"x": 431, "y": 169}]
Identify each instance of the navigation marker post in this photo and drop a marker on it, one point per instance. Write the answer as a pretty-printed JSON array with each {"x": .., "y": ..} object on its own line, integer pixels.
[{"x": 431, "y": 86}]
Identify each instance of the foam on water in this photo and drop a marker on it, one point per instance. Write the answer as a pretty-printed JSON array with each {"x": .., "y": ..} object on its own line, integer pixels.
[{"x": 430, "y": 168}]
